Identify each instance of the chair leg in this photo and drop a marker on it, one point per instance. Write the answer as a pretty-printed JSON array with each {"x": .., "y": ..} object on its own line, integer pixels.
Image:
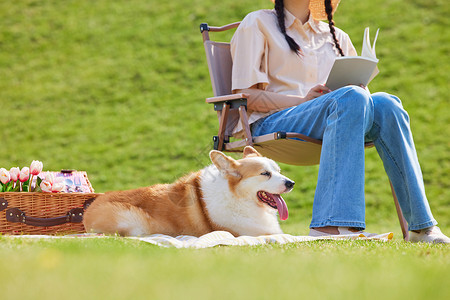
[
  {"x": 401, "y": 219},
  {"x": 223, "y": 124}
]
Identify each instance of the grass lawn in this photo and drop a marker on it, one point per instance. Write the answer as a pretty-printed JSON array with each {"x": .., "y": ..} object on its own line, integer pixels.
[
  {"x": 117, "y": 88},
  {"x": 124, "y": 269}
]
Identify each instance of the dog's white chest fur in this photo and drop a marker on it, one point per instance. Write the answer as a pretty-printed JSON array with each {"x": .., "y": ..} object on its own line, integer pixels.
[{"x": 242, "y": 213}]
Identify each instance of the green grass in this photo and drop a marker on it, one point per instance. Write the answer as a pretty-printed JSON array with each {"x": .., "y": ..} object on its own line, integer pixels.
[
  {"x": 118, "y": 269},
  {"x": 117, "y": 88}
]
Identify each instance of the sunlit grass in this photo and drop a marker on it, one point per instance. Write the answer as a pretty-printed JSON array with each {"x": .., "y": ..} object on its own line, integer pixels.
[{"x": 123, "y": 269}]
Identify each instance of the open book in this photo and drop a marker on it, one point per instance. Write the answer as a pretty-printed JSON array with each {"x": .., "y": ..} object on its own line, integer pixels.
[{"x": 355, "y": 70}]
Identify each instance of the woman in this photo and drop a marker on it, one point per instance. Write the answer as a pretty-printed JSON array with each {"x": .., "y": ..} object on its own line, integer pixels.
[{"x": 285, "y": 55}]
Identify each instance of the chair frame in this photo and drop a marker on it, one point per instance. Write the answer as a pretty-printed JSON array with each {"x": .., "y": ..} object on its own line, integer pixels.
[{"x": 224, "y": 103}]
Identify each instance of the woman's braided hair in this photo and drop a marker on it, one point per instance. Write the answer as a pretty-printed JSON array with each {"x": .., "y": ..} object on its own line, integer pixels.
[
  {"x": 329, "y": 11},
  {"x": 279, "y": 9}
]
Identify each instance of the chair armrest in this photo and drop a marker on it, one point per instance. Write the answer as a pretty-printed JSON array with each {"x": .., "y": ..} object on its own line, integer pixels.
[
  {"x": 234, "y": 101},
  {"x": 227, "y": 98}
]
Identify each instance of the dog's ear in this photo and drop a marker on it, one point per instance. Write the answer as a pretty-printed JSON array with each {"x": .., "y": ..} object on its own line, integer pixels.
[
  {"x": 250, "y": 151},
  {"x": 225, "y": 164}
]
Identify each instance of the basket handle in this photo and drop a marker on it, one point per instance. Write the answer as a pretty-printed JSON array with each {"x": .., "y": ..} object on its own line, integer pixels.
[
  {"x": 15, "y": 215},
  {"x": 75, "y": 215}
]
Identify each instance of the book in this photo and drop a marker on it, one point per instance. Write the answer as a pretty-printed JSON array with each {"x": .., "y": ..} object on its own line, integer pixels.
[{"x": 355, "y": 70}]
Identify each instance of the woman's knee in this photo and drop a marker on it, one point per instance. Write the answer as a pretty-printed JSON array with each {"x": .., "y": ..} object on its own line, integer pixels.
[
  {"x": 385, "y": 99},
  {"x": 355, "y": 98},
  {"x": 387, "y": 104}
]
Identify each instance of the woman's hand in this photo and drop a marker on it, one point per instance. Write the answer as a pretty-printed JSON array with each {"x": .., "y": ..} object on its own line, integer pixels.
[{"x": 317, "y": 91}]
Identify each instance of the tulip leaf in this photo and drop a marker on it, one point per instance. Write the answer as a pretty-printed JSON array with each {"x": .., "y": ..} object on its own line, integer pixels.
[
  {"x": 17, "y": 188},
  {"x": 25, "y": 185},
  {"x": 39, "y": 180},
  {"x": 9, "y": 186},
  {"x": 37, "y": 188}
]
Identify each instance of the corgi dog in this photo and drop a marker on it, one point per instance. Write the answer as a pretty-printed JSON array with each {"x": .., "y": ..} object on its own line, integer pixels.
[{"x": 239, "y": 196}]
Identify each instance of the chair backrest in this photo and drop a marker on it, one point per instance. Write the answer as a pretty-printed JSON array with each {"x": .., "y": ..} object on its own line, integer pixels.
[
  {"x": 220, "y": 67},
  {"x": 219, "y": 59}
]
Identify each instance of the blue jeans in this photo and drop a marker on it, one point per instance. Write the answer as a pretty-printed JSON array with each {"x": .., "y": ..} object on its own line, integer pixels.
[{"x": 344, "y": 119}]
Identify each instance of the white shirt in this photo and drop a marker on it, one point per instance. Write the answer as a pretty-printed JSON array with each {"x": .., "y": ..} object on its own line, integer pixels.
[{"x": 262, "y": 56}]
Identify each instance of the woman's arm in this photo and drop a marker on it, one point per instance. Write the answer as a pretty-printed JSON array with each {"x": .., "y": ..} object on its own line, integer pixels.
[{"x": 264, "y": 101}]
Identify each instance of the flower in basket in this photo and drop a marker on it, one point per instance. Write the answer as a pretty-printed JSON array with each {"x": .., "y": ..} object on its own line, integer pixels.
[
  {"x": 24, "y": 174},
  {"x": 24, "y": 177},
  {"x": 5, "y": 178},
  {"x": 36, "y": 167},
  {"x": 14, "y": 173},
  {"x": 30, "y": 179},
  {"x": 52, "y": 184}
]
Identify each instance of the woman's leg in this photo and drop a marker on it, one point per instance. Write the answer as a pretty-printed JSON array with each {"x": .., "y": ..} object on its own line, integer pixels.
[
  {"x": 341, "y": 119},
  {"x": 393, "y": 140}
]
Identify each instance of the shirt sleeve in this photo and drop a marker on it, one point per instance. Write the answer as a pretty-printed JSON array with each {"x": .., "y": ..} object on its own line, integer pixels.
[{"x": 248, "y": 50}]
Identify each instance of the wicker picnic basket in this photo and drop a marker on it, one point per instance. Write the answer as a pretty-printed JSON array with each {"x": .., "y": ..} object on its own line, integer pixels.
[{"x": 44, "y": 213}]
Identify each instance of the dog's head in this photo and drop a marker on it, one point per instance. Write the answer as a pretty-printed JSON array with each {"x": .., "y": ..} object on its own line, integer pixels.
[{"x": 255, "y": 177}]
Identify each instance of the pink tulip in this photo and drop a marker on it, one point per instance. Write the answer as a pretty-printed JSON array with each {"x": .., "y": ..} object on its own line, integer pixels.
[
  {"x": 58, "y": 185},
  {"x": 24, "y": 174},
  {"x": 4, "y": 176},
  {"x": 46, "y": 186},
  {"x": 52, "y": 184},
  {"x": 36, "y": 167},
  {"x": 14, "y": 172}
]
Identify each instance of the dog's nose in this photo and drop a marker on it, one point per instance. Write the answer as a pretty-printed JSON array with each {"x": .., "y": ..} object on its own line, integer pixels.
[{"x": 289, "y": 184}]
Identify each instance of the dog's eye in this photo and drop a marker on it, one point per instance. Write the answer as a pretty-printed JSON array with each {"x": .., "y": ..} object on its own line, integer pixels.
[{"x": 266, "y": 173}]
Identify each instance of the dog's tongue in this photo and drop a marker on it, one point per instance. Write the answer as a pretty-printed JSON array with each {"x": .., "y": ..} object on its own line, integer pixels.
[{"x": 281, "y": 206}]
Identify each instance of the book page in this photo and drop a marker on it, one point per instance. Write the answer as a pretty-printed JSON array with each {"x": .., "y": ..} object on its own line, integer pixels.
[
  {"x": 355, "y": 70},
  {"x": 351, "y": 70},
  {"x": 367, "y": 50}
]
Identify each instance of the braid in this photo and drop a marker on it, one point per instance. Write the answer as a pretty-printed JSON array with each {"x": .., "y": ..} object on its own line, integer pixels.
[
  {"x": 329, "y": 11},
  {"x": 279, "y": 9}
]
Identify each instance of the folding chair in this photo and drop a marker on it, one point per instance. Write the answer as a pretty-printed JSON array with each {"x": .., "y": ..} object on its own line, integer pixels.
[{"x": 287, "y": 147}]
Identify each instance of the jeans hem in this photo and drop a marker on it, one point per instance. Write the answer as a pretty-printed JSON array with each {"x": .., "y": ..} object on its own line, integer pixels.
[
  {"x": 422, "y": 225},
  {"x": 360, "y": 225}
]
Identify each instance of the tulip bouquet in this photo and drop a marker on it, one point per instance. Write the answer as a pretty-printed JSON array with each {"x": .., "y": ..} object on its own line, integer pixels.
[{"x": 29, "y": 179}]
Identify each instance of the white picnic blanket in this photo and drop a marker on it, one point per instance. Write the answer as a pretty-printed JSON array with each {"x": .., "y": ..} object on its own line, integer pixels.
[{"x": 218, "y": 238}]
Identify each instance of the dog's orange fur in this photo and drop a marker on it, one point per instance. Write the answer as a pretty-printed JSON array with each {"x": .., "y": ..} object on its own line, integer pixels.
[{"x": 171, "y": 209}]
